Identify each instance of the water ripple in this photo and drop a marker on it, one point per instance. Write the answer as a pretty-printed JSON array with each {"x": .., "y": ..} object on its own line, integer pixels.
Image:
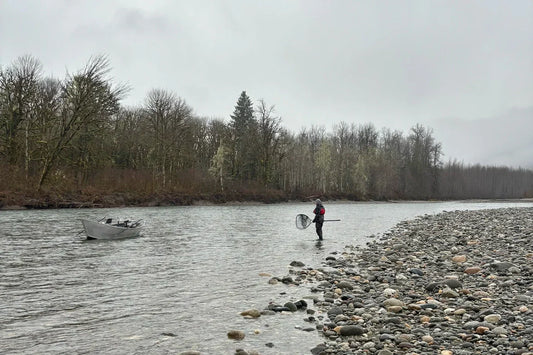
[{"x": 180, "y": 286}]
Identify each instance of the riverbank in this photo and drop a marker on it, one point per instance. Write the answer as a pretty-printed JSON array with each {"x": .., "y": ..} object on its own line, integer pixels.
[
  {"x": 54, "y": 200},
  {"x": 95, "y": 199},
  {"x": 454, "y": 283}
]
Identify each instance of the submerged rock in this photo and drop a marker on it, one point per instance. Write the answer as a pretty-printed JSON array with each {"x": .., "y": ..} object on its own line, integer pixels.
[
  {"x": 236, "y": 335},
  {"x": 253, "y": 313},
  {"x": 297, "y": 264}
]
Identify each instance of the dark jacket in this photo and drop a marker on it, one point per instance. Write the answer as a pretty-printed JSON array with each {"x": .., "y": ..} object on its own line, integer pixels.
[{"x": 319, "y": 212}]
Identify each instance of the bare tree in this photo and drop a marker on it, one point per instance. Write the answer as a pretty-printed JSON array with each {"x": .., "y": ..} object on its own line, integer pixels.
[
  {"x": 168, "y": 116},
  {"x": 269, "y": 136},
  {"x": 18, "y": 88},
  {"x": 88, "y": 99}
]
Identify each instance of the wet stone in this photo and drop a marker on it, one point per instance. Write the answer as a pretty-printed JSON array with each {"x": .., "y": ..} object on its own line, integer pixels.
[
  {"x": 351, "y": 330},
  {"x": 453, "y": 283}
]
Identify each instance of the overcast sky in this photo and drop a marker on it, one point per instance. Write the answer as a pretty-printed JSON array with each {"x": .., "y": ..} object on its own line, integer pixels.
[{"x": 462, "y": 68}]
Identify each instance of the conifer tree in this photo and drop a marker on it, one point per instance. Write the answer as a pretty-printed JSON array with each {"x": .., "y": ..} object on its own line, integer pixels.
[{"x": 244, "y": 133}]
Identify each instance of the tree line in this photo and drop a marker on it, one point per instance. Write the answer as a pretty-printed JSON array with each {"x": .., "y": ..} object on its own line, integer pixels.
[{"x": 74, "y": 135}]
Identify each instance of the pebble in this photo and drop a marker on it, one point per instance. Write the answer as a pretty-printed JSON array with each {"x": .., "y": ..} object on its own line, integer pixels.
[
  {"x": 472, "y": 270},
  {"x": 428, "y": 339},
  {"x": 452, "y": 283},
  {"x": 236, "y": 335},
  {"x": 351, "y": 330},
  {"x": 251, "y": 313},
  {"x": 492, "y": 318},
  {"x": 499, "y": 331},
  {"x": 459, "y": 259},
  {"x": 392, "y": 302}
]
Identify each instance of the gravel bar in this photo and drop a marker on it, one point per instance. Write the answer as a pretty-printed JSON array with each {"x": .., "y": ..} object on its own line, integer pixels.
[
  {"x": 453, "y": 283},
  {"x": 457, "y": 283}
]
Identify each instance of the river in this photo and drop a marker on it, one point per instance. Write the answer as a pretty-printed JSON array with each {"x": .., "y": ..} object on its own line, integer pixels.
[{"x": 182, "y": 284}]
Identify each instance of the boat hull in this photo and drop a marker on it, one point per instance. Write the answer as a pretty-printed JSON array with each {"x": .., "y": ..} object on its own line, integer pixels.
[{"x": 97, "y": 230}]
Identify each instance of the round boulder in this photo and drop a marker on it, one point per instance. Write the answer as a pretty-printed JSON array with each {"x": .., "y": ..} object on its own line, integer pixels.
[{"x": 236, "y": 335}]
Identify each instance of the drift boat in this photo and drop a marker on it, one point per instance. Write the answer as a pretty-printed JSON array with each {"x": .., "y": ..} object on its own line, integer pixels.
[{"x": 111, "y": 230}]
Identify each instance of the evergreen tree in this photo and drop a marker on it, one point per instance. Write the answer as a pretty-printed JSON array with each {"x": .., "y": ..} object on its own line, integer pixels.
[
  {"x": 242, "y": 116},
  {"x": 244, "y": 139}
]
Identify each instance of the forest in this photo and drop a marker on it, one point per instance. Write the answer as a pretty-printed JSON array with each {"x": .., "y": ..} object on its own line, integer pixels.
[{"x": 71, "y": 143}]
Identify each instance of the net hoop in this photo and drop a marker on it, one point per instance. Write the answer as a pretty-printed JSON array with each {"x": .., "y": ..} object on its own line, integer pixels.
[{"x": 302, "y": 221}]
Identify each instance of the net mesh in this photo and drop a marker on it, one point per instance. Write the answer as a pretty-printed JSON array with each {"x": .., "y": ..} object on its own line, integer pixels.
[{"x": 302, "y": 221}]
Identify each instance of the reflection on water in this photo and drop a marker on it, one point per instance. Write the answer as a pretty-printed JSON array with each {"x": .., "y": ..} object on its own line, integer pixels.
[{"x": 181, "y": 285}]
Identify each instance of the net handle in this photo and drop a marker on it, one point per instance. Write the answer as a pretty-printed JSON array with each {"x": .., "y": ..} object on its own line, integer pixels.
[{"x": 303, "y": 221}]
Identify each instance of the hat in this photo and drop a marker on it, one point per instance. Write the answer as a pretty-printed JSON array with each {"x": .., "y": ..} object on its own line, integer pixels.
[{"x": 318, "y": 202}]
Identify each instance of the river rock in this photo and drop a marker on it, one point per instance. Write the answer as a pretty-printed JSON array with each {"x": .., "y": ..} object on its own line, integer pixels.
[
  {"x": 428, "y": 339},
  {"x": 499, "y": 331},
  {"x": 472, "y": 270},
  {"x": 394, "y": 309},
  {"x": 392, "y": 302},
  {"x": 448, "y": 292},
  {"x": 492, "y": 318},
  {"x": 253, "y": 313},
  {"x": 297, "y": 264},
  {"x": 459, "y": 259},
  {"x": 457, "y": 279},
  {"x": 433, "y": 286},
  {"x": 301, "y": 304},
  {"x": 390, "y": 292},
  {"x": 333, "y": 312},
  {"x": 514, "y": 270},
  {"x": 369, "y": 345},
  {"x": 453, "y": 283},
  {"x": 236, "y": 335},
  {"x": 287, "y": 280},
  {"x": 318, "y": 349},
  {"x": 345, "y": 285},
  {"x": 482, "y": 330},
  {"x": 501, "y": 266},
  {"x": 459, "y": 312},
  {"x": 471, "y": 325},
  {"x": 349, "y": 330},
  {"x": 291, "y": 306},
  {"x": 416, "y": 271}
]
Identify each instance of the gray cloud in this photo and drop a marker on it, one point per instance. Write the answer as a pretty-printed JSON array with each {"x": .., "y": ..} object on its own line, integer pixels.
[
  {"x": 502, "y": 140},
  {"x": 446, "y": 64}
]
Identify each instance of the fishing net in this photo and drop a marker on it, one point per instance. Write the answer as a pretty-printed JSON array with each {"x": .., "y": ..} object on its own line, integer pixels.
[{"x": 302, "y": 221}]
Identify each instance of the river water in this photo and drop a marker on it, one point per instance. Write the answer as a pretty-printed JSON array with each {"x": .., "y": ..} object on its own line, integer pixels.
[{"x": 182, "y": 284}]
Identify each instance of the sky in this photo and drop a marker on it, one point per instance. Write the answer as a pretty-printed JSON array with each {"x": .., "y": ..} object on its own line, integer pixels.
[{"x": 462, "y": 68}]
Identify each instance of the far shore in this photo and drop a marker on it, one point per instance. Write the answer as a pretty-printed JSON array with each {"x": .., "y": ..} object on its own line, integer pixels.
[{"x": 56, "y": 201}]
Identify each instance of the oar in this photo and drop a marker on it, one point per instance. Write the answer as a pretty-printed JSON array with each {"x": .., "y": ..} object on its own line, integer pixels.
[{"x": 136, "y": 223}]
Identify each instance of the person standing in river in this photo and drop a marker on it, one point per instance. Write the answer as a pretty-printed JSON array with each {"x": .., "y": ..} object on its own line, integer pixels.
[{"x": 319, "y": 212}]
